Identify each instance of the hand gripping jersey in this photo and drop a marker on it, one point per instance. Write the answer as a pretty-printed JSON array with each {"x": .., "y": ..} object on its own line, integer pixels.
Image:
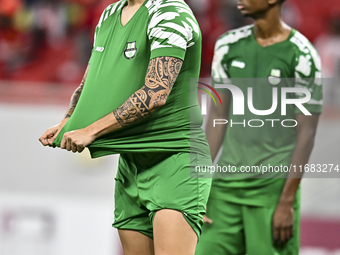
[
  {"x": 118, "y": 66},
  {"x": 290, "y": 63}
]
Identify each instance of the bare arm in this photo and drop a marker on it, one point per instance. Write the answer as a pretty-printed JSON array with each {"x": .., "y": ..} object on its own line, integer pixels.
[
  {"x": 215, "y": 135},
  {"x": 76, "y": 95},
  {"x": 283, "y": 218},
  {"x": 50, "y": 134},
  {"x": 160, "y": 78}
]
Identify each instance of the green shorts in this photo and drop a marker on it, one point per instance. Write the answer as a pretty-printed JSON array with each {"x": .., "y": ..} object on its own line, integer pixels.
[
  {"x": 149, "y": 182},
  {"x": 242, "y": 229}
]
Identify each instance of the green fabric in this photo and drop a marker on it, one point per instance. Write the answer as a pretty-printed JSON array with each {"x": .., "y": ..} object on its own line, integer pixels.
[
  {"x": 293, "y": 62},
  {"x": 143, "y": 187},
  {"x": 240, "y": 229},
  {"x": 118, "y": 66}
]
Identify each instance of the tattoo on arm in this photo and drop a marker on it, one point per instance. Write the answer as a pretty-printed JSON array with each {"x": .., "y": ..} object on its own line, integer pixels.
[
  {"x": 76, "y": 95},
  {"x": 160, "y": 78}
]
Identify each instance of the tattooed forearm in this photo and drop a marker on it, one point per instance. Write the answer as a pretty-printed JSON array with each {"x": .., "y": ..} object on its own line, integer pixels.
[
  {"x": 74, "y": 100},
  {"x": 76, "y": 95},
  {"x": 160, "y": 78},
  {"x": 124, "y": 112}
]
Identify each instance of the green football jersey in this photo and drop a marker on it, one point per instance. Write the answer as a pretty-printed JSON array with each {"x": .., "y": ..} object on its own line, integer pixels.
[
  {"x": 253, "y": 140},
  {"x": 117, "y": 69}
]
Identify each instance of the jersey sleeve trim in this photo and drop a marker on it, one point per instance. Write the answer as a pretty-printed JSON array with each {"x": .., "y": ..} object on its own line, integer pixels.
[
  {"x": 308, "y": 72},
  {"x": 168, "y": 52},
  {"x": 172, "y": 25},
  {"x": 222, "y": 47}
]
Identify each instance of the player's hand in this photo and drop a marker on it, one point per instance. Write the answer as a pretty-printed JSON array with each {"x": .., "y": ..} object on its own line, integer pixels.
[
  {"x": 50, "y": 134},
  {"x": 283, "y": 222},
  {"x": 207, "y": 220},
  {"x": 76, "y": 141}
]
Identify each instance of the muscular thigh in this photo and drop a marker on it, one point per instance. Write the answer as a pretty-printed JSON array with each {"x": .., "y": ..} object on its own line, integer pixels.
[
  {"x": 134, "y": 242},
  {"x": 173, "y": 234}
]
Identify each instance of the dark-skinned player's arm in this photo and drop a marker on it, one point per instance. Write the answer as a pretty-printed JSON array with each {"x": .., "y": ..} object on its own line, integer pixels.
[
  {"x": 215, "y": 135},
  {"x": 219, "y": 75},
  {"x": 160, "y": 78},
  {"x": 50, "y": 134},
  {"x": 283, "y": 219}
]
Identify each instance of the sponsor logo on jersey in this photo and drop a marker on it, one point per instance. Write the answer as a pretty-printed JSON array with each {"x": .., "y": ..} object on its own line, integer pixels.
[
  {"x": 238, "y": 64},
  {"x": 99, "y": 49},
  {"x": 275, "y": 77},
  {"x": 131, "y": 50}
]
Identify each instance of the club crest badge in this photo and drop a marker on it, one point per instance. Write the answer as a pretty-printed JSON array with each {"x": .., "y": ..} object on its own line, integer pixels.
[
  {"x": 131, "y": 50},
  {"x": 274, "y": 77}
]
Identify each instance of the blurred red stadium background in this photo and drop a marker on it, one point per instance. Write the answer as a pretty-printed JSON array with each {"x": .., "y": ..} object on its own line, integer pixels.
[{"x": 51, "y": 40}]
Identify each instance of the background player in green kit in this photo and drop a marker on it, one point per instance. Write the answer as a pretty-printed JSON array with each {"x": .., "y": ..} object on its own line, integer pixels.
[
  {"x": 260, "y": 216},
  {"x": 144, "y": 55}
]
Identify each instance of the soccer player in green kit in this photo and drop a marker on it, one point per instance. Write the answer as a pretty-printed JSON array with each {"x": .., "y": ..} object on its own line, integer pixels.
[
  {"x": 260, "y": 216},
  {"x": 135, "y": 99}
]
